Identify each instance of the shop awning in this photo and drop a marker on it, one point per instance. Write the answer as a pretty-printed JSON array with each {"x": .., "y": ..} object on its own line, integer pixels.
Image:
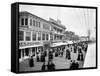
[
  {"x": 70, "y": 42},
  {"x": 23, "y": 47},
  {"x": 58, "y": 44}
]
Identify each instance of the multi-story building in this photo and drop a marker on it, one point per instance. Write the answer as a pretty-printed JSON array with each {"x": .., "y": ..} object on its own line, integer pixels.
[
  {"x": 35, "y": 33},
  {"x": 58, "y": 30},
  {"x": 69, "y": 35},
  {"x": 83, "y": 38}
]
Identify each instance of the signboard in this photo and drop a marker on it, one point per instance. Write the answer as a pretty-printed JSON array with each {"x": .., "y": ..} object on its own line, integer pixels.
[{"x": 23, "y": 44}]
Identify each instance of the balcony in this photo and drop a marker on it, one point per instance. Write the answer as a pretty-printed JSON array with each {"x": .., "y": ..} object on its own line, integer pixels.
[{"x": 58, "y": 33}]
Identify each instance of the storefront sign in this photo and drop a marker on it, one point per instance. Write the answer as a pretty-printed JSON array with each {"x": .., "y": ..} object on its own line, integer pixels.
[{"x": 22, "y": 44}]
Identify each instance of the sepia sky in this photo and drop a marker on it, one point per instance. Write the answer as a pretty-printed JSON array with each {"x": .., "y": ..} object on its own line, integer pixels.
[{"x": 78, "y": 20}]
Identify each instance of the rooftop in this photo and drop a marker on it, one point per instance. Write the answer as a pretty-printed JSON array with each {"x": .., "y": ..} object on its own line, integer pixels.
[
  {"x": 58, "y": 22},
  {"x": 25, "y": 12},
  {"x": 51, "y": 21}
]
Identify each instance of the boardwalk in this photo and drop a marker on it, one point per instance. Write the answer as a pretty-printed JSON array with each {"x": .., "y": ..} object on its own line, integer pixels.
[{"x": 90, "y": 60}]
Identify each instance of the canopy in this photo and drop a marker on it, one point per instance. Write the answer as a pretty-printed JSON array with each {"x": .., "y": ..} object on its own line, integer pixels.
[
  {"x": 70, "y": 42},
  {"x": 58, "y": 44},
  {"x": 30, "y": 46}
]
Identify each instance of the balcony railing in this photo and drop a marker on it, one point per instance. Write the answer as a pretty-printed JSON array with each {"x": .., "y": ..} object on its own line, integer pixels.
[{"x": 59, "y": 33}]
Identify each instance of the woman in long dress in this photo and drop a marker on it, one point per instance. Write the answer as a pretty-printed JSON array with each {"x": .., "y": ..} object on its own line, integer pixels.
[
  {"x": 78, "y": 58},
  {"x": 31, "y": 62}
]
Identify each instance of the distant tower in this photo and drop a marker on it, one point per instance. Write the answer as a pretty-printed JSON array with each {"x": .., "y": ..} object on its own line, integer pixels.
[{"x": 89, "y": 32}]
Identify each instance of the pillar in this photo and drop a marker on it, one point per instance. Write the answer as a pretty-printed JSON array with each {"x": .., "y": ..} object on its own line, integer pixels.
[
  {"x": 36, "y": 36},
  {"x": 30, "y": 51},
  {"x": 31, "y": 36},
  {"x": 24, "y": 35},
  {"x": 21, "y": 54},
  {"x": 35, "y": 50}
]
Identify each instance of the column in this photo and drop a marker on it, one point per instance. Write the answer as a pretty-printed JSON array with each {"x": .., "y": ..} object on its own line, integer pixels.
[
  {"x": 28, "y": 21},
  {"x": 41, "y": 36},
  {"x": 24, "y": 20},
  {"x": 36, "y": 36},
  {"x": 24, "y": 35},
  {"x": 35, "y": 50},
  {"x": 21, "y": 54},
  {"x": 30, "y": 51},
  {"x": 49, "y": 37},
  {"x": 31, "y": 36}
]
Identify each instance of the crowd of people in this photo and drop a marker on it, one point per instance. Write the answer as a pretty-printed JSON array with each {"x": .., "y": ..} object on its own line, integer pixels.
[{"x": 78, "y": 48}]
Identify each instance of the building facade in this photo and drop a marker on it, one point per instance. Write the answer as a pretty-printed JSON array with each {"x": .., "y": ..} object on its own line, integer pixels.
[
  {"x": 69, "y": 35},
  {"x": 83, "y": 38},
  {"x": 35, "y": 33},
  {"x": 58, "y": 30}
]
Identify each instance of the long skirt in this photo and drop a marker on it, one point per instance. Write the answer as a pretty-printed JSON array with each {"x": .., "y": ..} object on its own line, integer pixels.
[
  {"x": 31, "y": 63},
  {"x": 78, "y": 57},
  {"x": 38, "y": 59}
]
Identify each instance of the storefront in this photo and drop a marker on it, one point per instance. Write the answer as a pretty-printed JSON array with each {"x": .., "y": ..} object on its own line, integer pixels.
[
  {"x": 58, "y": 46},
  {"x": 26, "y": 50}
]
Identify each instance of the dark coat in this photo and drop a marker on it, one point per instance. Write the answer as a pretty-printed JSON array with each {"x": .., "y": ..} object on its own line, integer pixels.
[
  {"x": 78, "y": 57},
  {"x": 44, "y": 67},
  {"x": 51, "y": 67},
  {"x": 50, "y": 56},
  {"x": 72, "y": 66},
  {"x": 43, "y": 58},
  {"x": 38, "y": 58},
  {"x": 31, "y": 62},
  {"x": 81, "y": 57}
]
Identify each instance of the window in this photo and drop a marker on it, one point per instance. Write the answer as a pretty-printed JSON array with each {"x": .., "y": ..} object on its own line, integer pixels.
[
  {"x": 26, "y": 21},
  {"x": 28, "y": 36},
  {"x": 34, "y": 36},
  {"x": 45, "y": 26},
  {"x": 47, "y": 37},
  {"x": 39, "y": 24},
  {"x": 54, "y": 37},
  {"x": 21, "y": 35},
  {"x": 22, "y": 21},
  {"x": 60, "y": 37},
  {"x": 43, "y": 36},
  {"x": 39, "y": 36},
  {"x": 36, "y": 24},
  {"x": 31, "y": 22},
  {"x": 51, "y": 36}
]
